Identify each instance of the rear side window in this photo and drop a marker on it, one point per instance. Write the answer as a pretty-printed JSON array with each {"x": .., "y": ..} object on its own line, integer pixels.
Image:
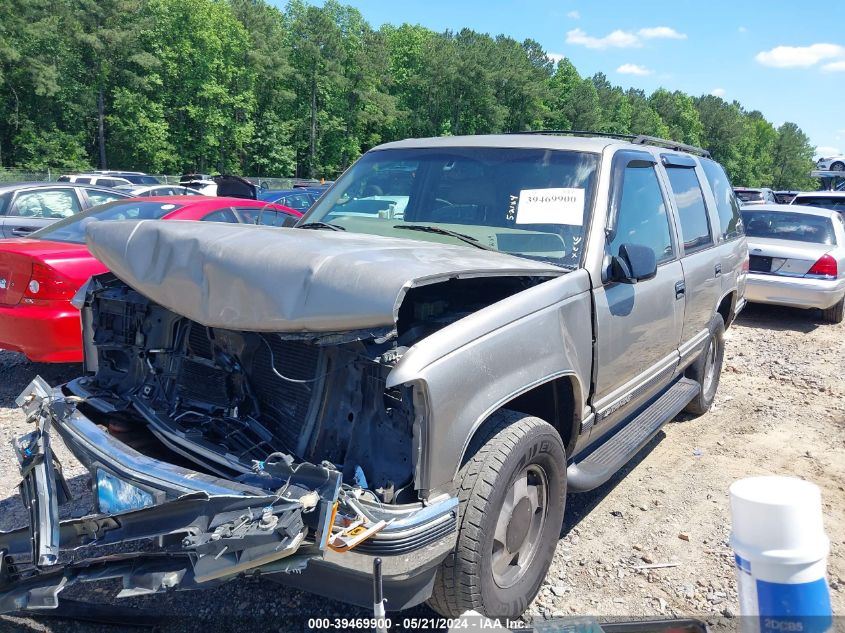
[
  {"x": 730, "y": 219},
  {"x": 101, "y": 197},
  {"x": 221, "y": 215},
  {"x": 641, "y": 218},
  {"x": 695, "y": 225}
]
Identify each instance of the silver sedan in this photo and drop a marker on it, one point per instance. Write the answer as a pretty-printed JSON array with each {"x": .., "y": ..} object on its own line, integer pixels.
[{"x": 796, "y": 257}]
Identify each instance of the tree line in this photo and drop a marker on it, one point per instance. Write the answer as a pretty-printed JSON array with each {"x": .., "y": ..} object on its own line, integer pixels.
[{"x": 241, "y": 86}]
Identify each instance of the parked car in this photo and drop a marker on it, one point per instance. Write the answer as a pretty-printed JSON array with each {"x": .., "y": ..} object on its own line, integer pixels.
[
  {"x": 94, "y": 179},
  {"x": 299, "y": 199},
  {"x": 424, "y": 389},
  {"x": 832, "y": 163},
  {"x": 834, "y": 200},
  {"x": 28, "y": 206},
  {"x": 39, "y": 274},
  {"x": 796, "y": 258},
  {"x": 784, "y": 197},
  {"x": 201, "y": 182},
  {"x": 135, "y": 177},
  {"x": 761, "y": 195},
  {"x": 146, "y": 191}
]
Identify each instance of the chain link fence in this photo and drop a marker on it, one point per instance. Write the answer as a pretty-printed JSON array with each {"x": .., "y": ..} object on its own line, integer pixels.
[{"x": 50, "y": 175}]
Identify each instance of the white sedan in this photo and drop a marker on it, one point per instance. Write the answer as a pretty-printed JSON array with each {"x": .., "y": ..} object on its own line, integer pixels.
[
  {"x": 832, "y": 163},
  {"x": 796, "y": 258}
]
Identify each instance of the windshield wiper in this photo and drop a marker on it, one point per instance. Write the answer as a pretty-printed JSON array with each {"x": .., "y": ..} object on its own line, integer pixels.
[
  {"x": 321, "y": 225},
  {"x": 425, "y": 228}
]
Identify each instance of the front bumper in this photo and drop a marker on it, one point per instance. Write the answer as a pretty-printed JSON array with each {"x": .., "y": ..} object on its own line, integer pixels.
[
  {"x": 44, "y": 333},
  {"x": 204, "y": 529},
  {"x": 794, "y": 292}
]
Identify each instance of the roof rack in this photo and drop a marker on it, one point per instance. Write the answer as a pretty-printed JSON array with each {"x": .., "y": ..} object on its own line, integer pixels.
[{"x": 637, "y": 139}]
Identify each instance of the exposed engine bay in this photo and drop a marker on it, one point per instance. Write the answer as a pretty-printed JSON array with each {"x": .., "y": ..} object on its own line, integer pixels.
[{"x": 228, "y": 401}]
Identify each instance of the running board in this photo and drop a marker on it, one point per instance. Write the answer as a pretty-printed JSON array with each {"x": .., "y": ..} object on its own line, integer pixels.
[{"x": 600, "y": 465}]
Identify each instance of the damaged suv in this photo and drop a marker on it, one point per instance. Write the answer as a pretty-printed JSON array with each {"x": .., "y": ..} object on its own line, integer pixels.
[{"x": 459, "y": 332}]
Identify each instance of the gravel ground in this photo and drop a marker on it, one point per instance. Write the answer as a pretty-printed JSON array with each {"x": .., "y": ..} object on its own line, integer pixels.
[{"x": 780, "y": 409}]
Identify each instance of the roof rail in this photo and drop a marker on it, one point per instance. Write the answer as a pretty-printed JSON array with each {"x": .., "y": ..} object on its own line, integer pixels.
[
  {"x": 638, "y": 139},
  {"x": 627, "y": 137},
  {"x": 642, "y": 139}
]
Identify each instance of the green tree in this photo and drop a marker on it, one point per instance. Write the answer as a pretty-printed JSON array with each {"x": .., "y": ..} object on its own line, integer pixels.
[
  {"x": 793, "y": 159},
  {"x": 677, "y": 110}
]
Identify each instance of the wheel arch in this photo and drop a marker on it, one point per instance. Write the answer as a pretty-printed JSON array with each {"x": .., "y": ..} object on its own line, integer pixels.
[
  {"x": 558, "y": 401},
  {"x": 726, "y": 308}
]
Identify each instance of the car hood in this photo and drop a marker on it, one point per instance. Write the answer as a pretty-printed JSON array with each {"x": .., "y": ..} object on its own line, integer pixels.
[{"x": 266, "y": 279}]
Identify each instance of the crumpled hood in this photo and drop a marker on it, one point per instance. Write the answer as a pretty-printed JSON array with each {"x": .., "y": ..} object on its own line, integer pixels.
[{"x": 264, "y": 279}]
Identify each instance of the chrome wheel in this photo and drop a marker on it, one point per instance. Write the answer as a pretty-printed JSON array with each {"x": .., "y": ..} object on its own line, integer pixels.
[
  {"x": 710, "y": 365},
  {"x": 520, "y": 524}
]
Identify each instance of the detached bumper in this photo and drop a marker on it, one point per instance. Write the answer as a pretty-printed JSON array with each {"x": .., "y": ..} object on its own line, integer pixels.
[
  {"x": 204, "y": 529},
  {"x": 47, "y": 334},
  {"x": 794, "y": 292}
]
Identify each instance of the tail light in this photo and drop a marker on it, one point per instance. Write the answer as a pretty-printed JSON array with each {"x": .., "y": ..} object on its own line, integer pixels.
[
  {"x": 746, "y": 264},
  {"x": 46, "y": 283},
  {"x": 826, "y": 267}
]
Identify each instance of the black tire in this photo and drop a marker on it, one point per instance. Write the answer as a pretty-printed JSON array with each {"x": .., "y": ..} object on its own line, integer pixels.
[
  {"x": 510, "y": 444},
  {"x": 837, "y": 166},
  {"x": 835, "y": 313},
  {"x": 699, "y": 370}
]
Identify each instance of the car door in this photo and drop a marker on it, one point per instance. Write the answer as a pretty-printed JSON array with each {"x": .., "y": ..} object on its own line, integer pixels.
[
  {"x": 35, "y": 208},
  {"x": 701, "y": 262},
  {"x": 638, "y": 326}
]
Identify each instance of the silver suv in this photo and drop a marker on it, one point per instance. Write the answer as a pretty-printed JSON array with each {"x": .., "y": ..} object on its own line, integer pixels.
[{"x": 460, "y": 331}]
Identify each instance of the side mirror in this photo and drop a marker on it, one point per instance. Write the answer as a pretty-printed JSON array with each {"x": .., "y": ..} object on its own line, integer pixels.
[{"x": 634, "y": 263}]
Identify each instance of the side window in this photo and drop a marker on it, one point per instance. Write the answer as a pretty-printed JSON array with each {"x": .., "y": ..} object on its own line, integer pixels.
[
  {"x": 46, "y": 203},
  {"x": 695, "y": 224},
  {"x": 641, "y": 217},
  {"x": 730, "y": 219},
  {"x": 265, "y": 217},
  {"x": 101, "y": 197},
  {"x": 83, "y": 180},
  {"x": 221, "y": 215}
]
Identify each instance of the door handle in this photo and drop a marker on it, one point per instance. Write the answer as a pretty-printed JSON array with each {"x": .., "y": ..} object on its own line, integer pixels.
[
  {"x": 680, "y": 289},
  {"x": 21, "y": 231},
  {"x": 718, "y": 269}
]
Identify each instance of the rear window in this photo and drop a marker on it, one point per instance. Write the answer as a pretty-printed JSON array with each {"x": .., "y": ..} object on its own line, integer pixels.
[
  {"x": 824, "y": 202},
  {"x": 749, "y": 196},
  {"x": 73, "y": 229},
  {"x": 730, "y": 219},
  {"x": 784, "y": 225}
]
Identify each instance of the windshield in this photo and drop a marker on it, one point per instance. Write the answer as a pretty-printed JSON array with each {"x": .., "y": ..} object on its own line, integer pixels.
[
  {"x": 532, "y": 203},
  {"x": 72, "y": 229},
  {"x": 836, "y": 203},
  {"x": 781, "y": 225}
]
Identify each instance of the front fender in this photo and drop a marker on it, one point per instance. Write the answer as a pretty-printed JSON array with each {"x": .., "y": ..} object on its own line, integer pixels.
[{"x": 474, "y": 366}]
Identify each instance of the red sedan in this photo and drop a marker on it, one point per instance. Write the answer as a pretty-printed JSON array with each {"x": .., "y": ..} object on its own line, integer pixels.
[{"x": 39, "y": 274}]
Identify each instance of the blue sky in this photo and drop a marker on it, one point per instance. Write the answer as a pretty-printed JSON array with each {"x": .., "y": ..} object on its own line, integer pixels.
[{"x": 786, "y": 59}]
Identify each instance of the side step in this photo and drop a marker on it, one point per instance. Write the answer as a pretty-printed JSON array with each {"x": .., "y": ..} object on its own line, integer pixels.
[{"x": 597, "y": 467}]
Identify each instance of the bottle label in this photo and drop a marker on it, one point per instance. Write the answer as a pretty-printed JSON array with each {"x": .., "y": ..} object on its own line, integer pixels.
[{"x": 797, "y": 608}]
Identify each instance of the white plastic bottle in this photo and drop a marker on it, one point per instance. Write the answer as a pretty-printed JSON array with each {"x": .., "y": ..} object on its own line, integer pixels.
[{"x": 781, "y": 555}]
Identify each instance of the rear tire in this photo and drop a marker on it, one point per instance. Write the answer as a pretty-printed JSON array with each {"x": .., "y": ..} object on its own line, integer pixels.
[
  {"x": 834, "y": 314},
  {"x": 707, "y": 368},
  {"x": 512, "y": 493}
]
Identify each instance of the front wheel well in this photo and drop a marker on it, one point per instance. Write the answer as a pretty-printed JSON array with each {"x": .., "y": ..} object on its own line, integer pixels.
[{"x": 556, "y": 402}]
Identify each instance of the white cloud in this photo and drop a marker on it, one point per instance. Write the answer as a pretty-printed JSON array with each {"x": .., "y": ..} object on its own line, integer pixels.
[
  {"x": 661, "y": 32},
  {"x": 718, "y": 92},
  {"x": 800, "y": 56},
  {"x": 633, "y": 69},
  {"x": 742, "y": 29},
  {"x": 616, "y": 39},
  {"x": 826, "y": 150},
  {"x": 835, "y": 67},
  {"x": 555, "y": 57},
  {"x": 574, "y": 15},
  {"x": 623, "y": 39}
]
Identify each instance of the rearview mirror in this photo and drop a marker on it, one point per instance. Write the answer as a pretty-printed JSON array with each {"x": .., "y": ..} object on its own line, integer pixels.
[{"x": 634, "y": 263}]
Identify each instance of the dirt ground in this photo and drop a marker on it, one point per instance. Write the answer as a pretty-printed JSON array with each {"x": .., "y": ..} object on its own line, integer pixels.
[{"x": 780, "y": 409}]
